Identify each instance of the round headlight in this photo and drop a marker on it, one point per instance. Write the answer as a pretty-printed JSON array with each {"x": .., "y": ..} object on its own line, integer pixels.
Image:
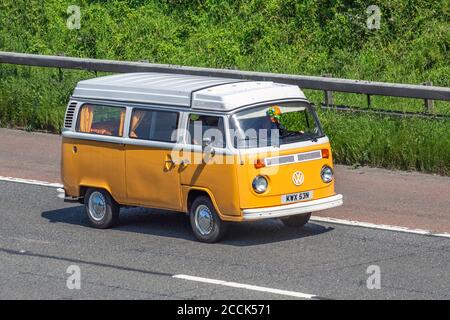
[
  {"x": 326, "y": 174},
  {"x": 260, "y": 184}
]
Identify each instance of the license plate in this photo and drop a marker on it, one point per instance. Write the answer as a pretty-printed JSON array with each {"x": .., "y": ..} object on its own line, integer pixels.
[{"x": 295, "y": 197}]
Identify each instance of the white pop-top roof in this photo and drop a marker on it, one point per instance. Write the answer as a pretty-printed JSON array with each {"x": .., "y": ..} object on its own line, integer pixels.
[{"x": 207, "y": 93}]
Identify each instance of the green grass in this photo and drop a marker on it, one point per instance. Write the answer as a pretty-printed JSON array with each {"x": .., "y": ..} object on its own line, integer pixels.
[
  {"x": 380, "y": 141},
  {"x": 299, "y": 37}
]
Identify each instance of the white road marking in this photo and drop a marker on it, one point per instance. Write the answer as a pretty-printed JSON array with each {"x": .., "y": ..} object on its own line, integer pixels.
[
  {"x": 33, "y": 182},
  {"x": 25, "y": 239},
  {"x": 313, "y": 218},
  {"x": 379, "y": 226},
  {"x": 246, "y": 286}
]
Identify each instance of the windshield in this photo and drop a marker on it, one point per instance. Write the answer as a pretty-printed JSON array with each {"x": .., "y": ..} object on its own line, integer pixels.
[{"x": 274, "y": 124}]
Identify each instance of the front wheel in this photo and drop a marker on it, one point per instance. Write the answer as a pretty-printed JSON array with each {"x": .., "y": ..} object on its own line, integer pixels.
[
  {"x": 205, "y": 222},
  {"x": 297, "y": 220},
  {"x": 101, "y": 209}
]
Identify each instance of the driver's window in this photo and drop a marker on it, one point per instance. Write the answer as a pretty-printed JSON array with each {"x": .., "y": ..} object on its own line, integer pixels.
[{"x": 201, "y": 127}]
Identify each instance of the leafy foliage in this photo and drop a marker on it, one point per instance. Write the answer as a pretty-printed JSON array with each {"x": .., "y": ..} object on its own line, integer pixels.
[{"x": 289, "y": 36}]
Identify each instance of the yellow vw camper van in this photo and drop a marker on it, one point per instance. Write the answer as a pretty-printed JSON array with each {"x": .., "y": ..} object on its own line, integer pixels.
[{"x": 221, "y": 150}]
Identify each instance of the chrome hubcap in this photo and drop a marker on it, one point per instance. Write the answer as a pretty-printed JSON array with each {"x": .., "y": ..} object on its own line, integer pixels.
[
  {"x": 97, "y": 206},
  {"x": 203, "y": 220}
]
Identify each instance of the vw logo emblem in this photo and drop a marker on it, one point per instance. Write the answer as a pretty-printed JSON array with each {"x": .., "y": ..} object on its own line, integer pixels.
[{"x": 298, "y": 178}]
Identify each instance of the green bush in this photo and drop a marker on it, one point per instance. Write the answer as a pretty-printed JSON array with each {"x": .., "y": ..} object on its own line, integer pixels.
[{"x": 289, "y": 36}]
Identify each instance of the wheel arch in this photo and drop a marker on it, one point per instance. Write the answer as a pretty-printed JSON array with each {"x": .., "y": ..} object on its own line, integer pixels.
[
  {"x": 84, "y": 188},
  {"x": 191, "y": 193}
]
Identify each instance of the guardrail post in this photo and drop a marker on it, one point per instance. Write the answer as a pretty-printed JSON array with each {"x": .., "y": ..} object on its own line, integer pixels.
[
  {"x": 369, "y": 101},
  {"x": 60, "y": 70},
  {"x": 328, "y": 95},
  {"x": 428, "y": 102},
  {"x": 60, "y": 74}
]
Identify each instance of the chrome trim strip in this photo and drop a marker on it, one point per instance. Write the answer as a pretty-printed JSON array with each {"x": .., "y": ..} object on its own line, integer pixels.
[
  {"x": 296, "y": 158},
  {"x": 92, "y": 136},
  {"x": 293, "y": 209},
  {"x": 144, "y": 143},
  {"x": 168, "y": 145},
  {"x": 149, "y": 143},
  {"x": 289, "y": 146},
  {"x": 199, "y": 149}
]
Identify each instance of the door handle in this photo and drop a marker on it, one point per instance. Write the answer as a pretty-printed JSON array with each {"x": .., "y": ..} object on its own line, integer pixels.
[
  {"x": 173, "y": 163},
  {"x": 169, "y": 163},
  {"x": 184, "y": 162}
]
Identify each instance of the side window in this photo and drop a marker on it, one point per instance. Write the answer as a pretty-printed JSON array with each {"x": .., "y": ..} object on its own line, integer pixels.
[
  {"x": 104, "y": 120},
  {"x": 153, "y": 125},
  {"x": 211, "y": 127}
]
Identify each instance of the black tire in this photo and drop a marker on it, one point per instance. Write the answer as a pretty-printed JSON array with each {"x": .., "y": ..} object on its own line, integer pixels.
[
  {"x": 111, "y": 212},
  {"x": 296, "y": 221},
  {"x": 217, "y": 226}
]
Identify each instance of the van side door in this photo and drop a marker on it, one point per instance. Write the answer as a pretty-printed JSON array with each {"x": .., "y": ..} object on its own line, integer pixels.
[
  {"x": 213, "y": 170},
  {"x": 152, "y": 178}
]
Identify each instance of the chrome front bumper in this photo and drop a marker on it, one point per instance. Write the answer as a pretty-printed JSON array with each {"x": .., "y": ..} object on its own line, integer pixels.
[{"x": 293, "y": 209}]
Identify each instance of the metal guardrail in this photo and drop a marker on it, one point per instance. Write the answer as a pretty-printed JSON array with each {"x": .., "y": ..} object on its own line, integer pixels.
[{"x": 326, "y": 84}]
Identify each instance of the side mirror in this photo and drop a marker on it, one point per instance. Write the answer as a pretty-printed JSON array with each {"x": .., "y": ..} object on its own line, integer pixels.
[
  {"x": 206, "y": 142},
  {"x": 208, "y": 149}
]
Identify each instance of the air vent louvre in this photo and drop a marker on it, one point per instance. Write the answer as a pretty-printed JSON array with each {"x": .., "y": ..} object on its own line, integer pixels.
[{"x": 70, "y": 113}]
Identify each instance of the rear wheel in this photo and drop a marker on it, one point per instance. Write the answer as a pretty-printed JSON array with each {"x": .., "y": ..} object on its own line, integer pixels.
[
  {"x": 101, "y": 209},
  {"x": 297, "y": 220},
  {"x": 205, "y": 222}
]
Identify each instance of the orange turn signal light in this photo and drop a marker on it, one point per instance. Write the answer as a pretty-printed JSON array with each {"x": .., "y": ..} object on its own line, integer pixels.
[
  {"x": 259, "y": 164},
  {"x": 325, "y": 153}
]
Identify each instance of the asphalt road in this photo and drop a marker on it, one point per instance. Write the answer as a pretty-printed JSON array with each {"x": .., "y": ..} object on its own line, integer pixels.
[
  {"x": 40, "y": 237},
  {"x": 407, "y": 199}
]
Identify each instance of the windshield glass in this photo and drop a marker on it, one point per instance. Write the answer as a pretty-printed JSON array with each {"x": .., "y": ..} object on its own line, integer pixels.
[{"x": 274, "y": 124}]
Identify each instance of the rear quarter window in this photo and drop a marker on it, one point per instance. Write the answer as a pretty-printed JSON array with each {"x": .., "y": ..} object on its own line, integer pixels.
[{"x": 102, "y": 120}]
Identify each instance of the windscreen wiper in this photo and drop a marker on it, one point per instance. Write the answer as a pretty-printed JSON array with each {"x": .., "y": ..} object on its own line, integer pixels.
[
  {"x": 285, "y": 134},
  {"x": 308, "y": 136}
]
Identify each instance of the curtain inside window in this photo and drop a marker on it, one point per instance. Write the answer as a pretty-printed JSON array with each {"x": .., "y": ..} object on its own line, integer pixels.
[
  {"x": 122, "y": 121},
  {"x": 136, "y": 120},
  {"x": 86, "y": 117}
]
